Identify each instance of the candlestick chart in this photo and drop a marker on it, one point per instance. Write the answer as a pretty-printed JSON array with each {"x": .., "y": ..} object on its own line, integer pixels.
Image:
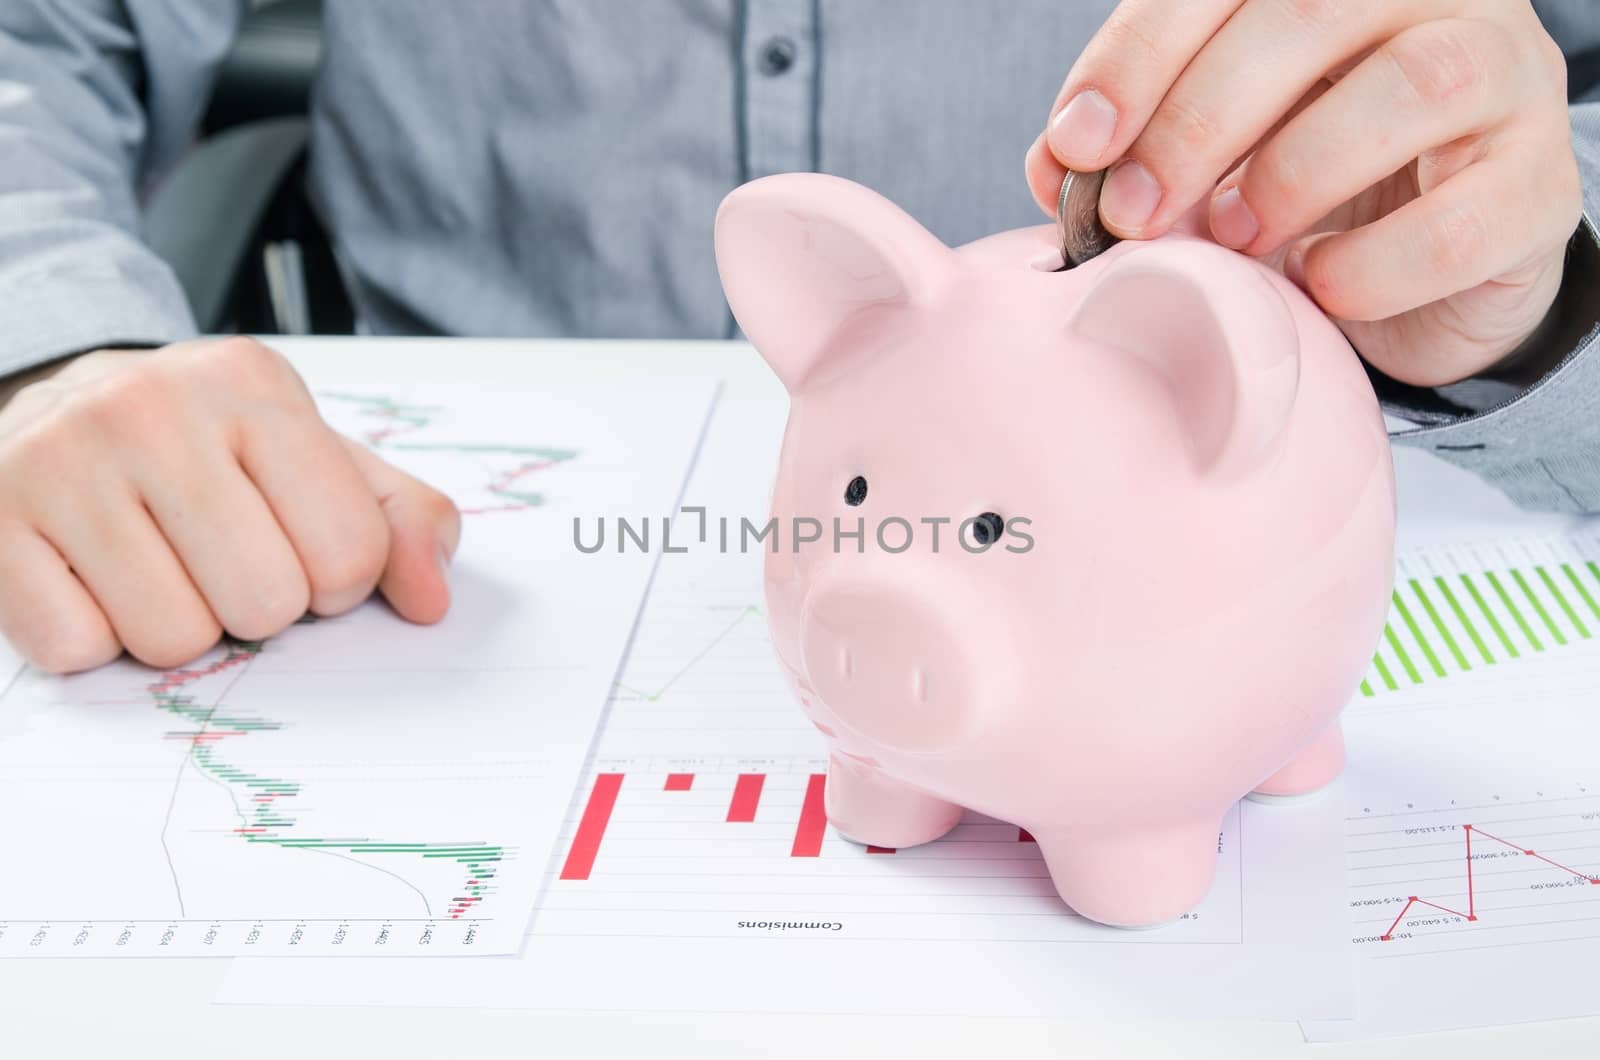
[{"x": 356, "y": 783}]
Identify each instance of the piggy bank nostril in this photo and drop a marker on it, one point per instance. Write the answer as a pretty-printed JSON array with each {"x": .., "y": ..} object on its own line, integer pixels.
[
  {"x": 847, "y": 663},
  {"x": 919, "y": 684}
]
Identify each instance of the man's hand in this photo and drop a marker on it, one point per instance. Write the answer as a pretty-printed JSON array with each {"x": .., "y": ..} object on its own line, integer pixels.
[
  {"x": 150, "y": 501},
  {"x": 1408, "y": 162}
]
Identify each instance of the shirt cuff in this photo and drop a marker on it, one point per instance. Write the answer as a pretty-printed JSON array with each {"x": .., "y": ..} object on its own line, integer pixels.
[
  {"x": 1541, "y": 443},
  {"x": 49, "y": 315}
]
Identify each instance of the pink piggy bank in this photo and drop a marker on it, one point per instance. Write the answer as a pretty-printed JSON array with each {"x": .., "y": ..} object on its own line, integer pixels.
[{"x": 1097, "y": 552}]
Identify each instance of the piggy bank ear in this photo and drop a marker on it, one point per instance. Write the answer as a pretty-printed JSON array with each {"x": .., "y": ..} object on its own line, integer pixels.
[
  {"x": 805, "y": 256},
  {"x": 1218, "y": 333}
]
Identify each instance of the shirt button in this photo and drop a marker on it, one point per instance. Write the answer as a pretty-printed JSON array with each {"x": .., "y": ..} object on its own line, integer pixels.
[{"x": 777, "y": 56}]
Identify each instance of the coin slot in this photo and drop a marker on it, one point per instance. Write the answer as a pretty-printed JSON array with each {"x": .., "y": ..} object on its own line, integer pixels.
[{"x": 1049, "y": 259}]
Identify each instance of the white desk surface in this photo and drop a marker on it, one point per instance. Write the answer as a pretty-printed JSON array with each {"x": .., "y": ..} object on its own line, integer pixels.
[{"x": 137, "y": 1008}]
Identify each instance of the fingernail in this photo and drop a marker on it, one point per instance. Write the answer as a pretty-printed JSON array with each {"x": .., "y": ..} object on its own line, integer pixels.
[
  {"x": 1294, "y": 264},
  {"x": 1129, "y": 198},
  {"x": 1038, "y": 157},
  {"x": 1083, "y": 129},
  {"x": 1232, "y": 221}
]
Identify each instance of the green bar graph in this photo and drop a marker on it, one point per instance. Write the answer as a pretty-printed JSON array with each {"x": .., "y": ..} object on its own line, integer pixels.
[
  {"x": 1505, "y": 598},
  {"x": 1416, "y": 635},
  {"x": 1401, "y": 654},
  {"x": 1494, "y": 623},
  {"x": 1384, "y": 673},
  {"x": 1577, "y": 583},
  {"x": 1566, "y": 608},
  {"x": 1538, "y": 608},
  {"x": 1461, "y": 615},
  {"x": 1438, "y": 624}
]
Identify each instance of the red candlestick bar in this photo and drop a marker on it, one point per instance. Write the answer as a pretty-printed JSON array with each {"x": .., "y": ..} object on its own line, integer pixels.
[
  {"x": 592, "y": 827},
  {"x": 746, "y": 794},
  {"x": 813, "y": 821},
  {"x": 679, "y": 782},
  {"x": 880, "y": 850}
]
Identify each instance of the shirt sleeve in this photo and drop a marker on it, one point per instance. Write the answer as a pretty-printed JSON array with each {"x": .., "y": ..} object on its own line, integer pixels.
[{"x": 96, "y": 98}]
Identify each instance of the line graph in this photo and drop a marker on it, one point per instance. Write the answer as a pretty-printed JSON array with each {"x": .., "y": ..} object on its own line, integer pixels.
[
  {"x": 747, "y": 614},
  {"x": 1522, "y": 870},
  {"x": 1471, "y": 913},
  {"x": 700, "y": 678}
]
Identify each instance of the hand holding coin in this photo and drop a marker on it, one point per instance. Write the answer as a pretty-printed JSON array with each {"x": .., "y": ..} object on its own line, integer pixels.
[{"x": 1411, "y": 162}]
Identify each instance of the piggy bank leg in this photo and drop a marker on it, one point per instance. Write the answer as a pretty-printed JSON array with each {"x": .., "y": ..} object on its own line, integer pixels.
[
  {"x": 1143, "y": 877},
  {"x": 868, "y": 807},
  {"x": 1312, "y": 769}
]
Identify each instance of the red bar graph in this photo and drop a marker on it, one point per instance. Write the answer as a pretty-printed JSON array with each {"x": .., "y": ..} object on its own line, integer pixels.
[
  {"x": 746, "y": 796},
  {"x": 811, "y": 826},
  {"x": 592, "y": 827},
  {"x": 813, "y": 821}
]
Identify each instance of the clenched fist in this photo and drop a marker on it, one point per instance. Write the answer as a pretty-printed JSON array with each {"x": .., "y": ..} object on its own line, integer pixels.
[
  {"x": 1408, "y": 162},
  {"x": 150, "y": 501}
]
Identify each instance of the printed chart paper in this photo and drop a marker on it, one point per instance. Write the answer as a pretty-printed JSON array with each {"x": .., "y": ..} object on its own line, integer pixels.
[
  {"x": 696, "y": 869},
  {"x": 357, "y": 784},
  {"x": 1473, "y": 840}
]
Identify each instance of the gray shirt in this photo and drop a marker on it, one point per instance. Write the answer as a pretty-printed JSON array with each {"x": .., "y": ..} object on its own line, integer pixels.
[{"x": 552, "y": 167}]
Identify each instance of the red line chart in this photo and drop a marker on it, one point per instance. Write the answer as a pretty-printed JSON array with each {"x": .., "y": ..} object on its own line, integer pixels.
[{"x": 1471, "y": 912}]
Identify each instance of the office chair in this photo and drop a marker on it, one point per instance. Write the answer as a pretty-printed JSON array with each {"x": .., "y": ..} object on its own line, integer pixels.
[{"x": 232, "y": 219}]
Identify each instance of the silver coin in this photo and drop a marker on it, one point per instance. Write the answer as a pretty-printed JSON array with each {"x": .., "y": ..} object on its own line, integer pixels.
[{"x": 1083, "y": 237}]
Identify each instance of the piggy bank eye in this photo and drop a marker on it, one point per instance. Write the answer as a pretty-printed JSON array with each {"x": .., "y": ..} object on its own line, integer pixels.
[
  {"x": 987, "y": 528},
  {"x": 856, "y": 492}
]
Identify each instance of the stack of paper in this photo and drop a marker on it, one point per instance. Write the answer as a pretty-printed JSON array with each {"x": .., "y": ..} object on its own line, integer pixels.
[
  {"x": 696, "y": 872},
  {"x": 360, "y": 787}
]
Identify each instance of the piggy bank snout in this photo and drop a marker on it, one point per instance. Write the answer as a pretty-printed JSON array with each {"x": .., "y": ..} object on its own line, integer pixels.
[{"x": 891, "y": 663}]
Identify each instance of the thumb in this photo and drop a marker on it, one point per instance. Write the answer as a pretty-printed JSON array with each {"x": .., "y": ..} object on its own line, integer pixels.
[{"x": 424, "y": 530}]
